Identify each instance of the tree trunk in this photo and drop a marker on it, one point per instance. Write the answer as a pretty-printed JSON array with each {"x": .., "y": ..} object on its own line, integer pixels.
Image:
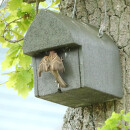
[{"x": 118, "y": 28}]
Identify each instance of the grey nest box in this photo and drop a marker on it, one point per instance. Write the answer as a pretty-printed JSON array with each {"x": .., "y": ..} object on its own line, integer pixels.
[{"x": 92, "y": 64}]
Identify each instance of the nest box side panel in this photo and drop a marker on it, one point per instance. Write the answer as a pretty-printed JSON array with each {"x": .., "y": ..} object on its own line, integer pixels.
[
  {"x": 46, "y": 84},
  {"x": 102, "y": 67}
]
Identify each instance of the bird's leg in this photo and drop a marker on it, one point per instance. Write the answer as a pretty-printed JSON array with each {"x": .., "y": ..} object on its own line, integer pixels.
[{"x": 59, "y": 89}]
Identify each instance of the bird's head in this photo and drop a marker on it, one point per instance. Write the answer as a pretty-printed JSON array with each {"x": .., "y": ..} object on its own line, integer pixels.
[{"x": 52, "y": 52}]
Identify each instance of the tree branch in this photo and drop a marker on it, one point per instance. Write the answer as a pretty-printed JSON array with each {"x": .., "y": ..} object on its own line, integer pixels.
[
  {"x": 37, "y": 5},
  {"x": 13, "y": 41},
  {"x": 32, "y": 1},
  {"x": 10, "y": 23}
]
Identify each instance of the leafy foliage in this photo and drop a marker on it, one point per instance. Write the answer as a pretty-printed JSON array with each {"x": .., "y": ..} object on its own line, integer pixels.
[
  {"x": 117, "y": 122},
  {"x": 15, "y": 19}
]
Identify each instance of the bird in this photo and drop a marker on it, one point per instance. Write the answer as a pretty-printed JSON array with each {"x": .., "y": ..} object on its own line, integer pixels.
[
  {"x": 56, "y": 63},
  {"x": 44, "y": 65},
  {"x": 53, "y": 64}
]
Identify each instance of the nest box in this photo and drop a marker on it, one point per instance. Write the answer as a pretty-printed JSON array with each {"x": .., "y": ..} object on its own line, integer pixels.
[{"x": 92, "y": 64}]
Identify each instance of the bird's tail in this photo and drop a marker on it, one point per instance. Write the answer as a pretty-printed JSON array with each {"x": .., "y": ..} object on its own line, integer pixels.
[
  {"x": 59, "y": 79},
  {"x": 39, "y": 74}
]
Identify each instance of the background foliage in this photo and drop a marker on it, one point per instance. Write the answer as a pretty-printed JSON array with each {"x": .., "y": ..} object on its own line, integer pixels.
[
  {"x": 117, "y": 121},
  {"x": 15, "y": 19}
]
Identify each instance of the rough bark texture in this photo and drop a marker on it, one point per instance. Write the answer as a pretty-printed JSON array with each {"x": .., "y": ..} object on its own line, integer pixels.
[{"x": 118, "y": 28}]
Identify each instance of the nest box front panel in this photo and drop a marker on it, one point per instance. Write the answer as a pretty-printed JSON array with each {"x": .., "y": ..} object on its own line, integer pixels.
[{"x": 46, "y": 84}]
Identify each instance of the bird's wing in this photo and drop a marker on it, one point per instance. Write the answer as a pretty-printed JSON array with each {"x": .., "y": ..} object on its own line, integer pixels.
[
  {"x": 57, "y": 64},
  {"x": 43, "y": 67}
]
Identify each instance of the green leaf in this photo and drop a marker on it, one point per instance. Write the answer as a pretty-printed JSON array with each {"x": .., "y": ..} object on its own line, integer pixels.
[
  {"x": 44, "y": 4},
  {"x": 26, "y": 7},
  {"x": 55, "y": 3},
  {"x": 20, "y": 13},
  {"x": 127, "y": 117},
  {"x": 12, "y": 80},
  {"x": 115, "y": 121},
  {"x": 122, "y": 111},
  {"x": 24, "y": 60},
  {"x": 11, "y": 17},
  {"x": 17, "y": 34},
  {"x": 2, "y": 40},
  {"x": 55, "y": 8},
  {"x": 21, "y": 80},
  {"x": 14, "y": 4},
  {"x": 2, "y": 27},
  {"x": 24, "y": 91},
  {"x": 22, "y": 26},
  {"x": 11, "y": 56}
]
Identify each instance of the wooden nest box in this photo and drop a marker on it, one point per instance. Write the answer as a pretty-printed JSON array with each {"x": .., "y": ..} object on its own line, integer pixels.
[{"x": 92, "y": 64}]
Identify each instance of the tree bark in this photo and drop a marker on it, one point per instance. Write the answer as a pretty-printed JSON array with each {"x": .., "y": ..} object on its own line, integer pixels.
[{"x": 118, "y": 29}]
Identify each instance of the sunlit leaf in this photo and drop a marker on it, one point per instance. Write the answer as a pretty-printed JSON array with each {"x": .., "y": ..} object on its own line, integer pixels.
[
  {"x": 11, "y": 56},
  {"x": 14, "y": 4},
  {"x": 15, "y": 19},
  {"x": 44, "y": 4},
  {"x": 115, "y": 121},
  {"x": 24, "y": 60},
  {"x": 127, "y": 117},
  {"x": 55, "y": 3},
  {"x": 21, "y": 80},
  {"x": 26, "y": 7}
]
